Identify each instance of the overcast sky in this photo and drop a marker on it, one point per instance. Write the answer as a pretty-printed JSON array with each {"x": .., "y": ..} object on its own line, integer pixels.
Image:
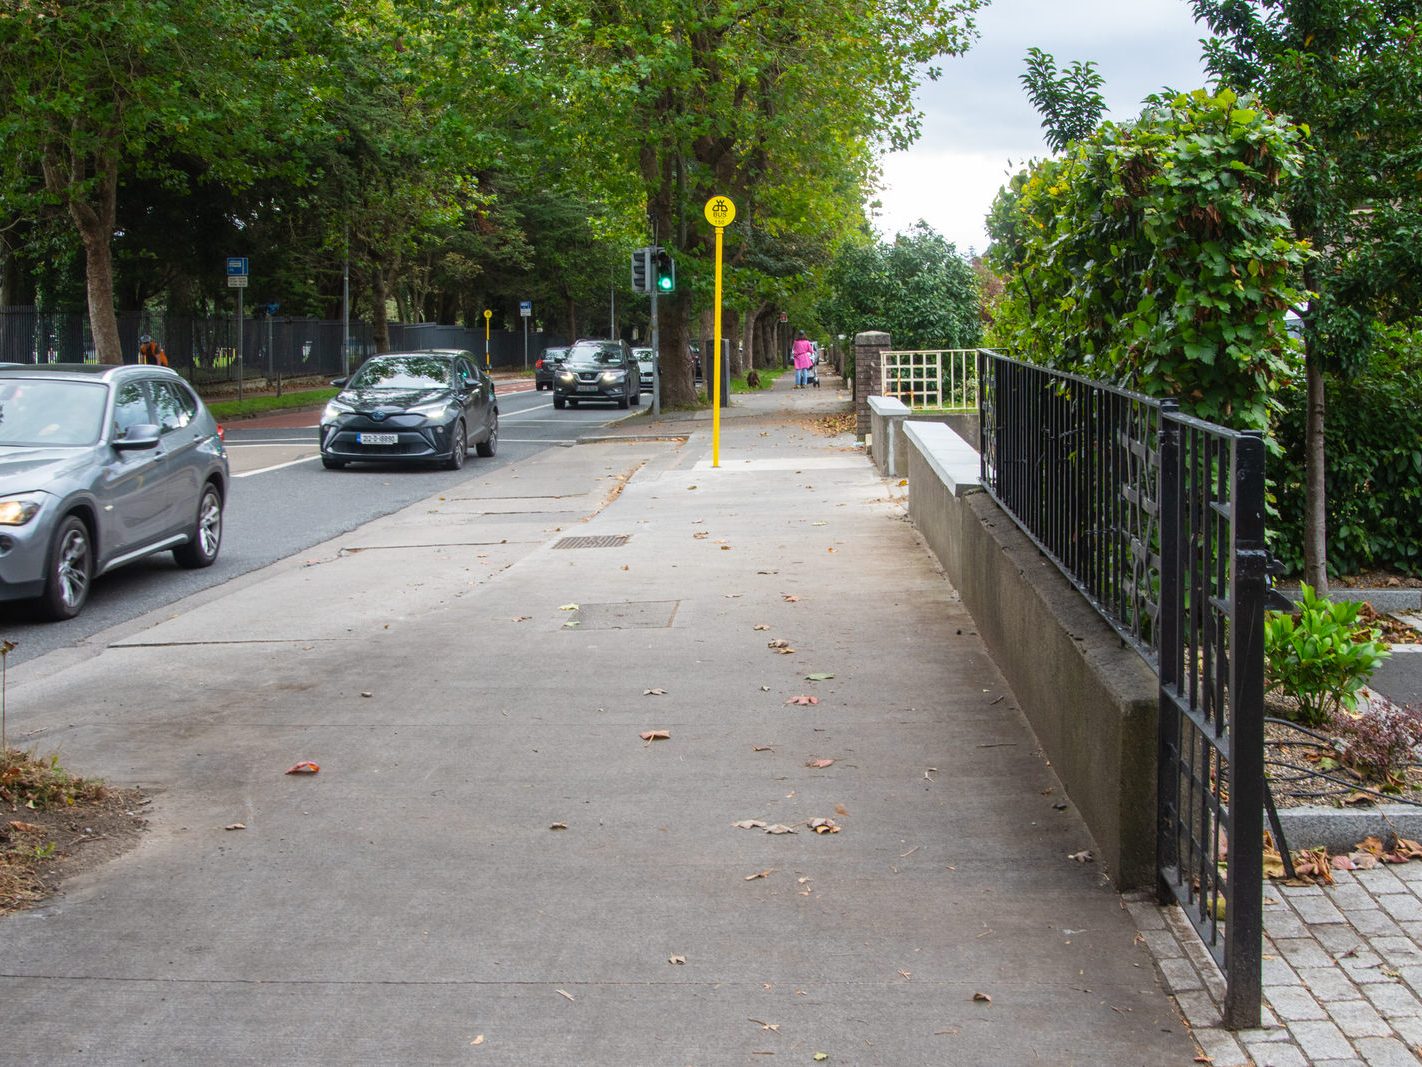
[{"x": 977, "y": 116}]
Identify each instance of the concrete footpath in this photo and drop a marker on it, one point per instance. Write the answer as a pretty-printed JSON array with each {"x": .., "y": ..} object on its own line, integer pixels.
[{"x": 493, "y": 865}]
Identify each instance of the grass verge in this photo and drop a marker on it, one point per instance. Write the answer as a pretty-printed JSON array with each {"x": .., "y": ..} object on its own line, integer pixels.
[{"x": 247, "y": 407}]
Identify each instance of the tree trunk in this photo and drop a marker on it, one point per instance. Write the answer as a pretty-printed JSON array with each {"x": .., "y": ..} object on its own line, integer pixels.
[
  {"x": 1315, "y": 492},
  {"x": 678, "y": 386},
  {"x": 95, "y": 223},
  {"x": 379, "y": 319}
]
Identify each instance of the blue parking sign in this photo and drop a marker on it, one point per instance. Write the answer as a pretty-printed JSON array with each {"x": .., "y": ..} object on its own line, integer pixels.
[{"x": 236, "y": 265}]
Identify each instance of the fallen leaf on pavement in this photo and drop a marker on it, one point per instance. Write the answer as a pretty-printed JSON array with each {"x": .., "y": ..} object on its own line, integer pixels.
[
  {"x": 749, "y": 824},
  {"x": 565, "y": 993},
  {"x": 820, "y": 1057},
  {"x": 367, "y": 693},
  {"x": 701, "y": 535},
  {"x": 558, "y": 826},
  {"x": 725, "y": 548},
  {"x": 304, "y": 767},
  {"x": 824, "y": 826},
  {"x": 777, "y": 642},
  {"x": 775, "y": 1027},
  {"x": 568, "y": 607},
  {"x": 789, "y": 598},
  {"x": 655, "y": 735},
  {"x": 235, "y": 826},
  {"x": 819, "y": 524},
  {"x": 676, "y": 959},
  {"x": 781, "y": 828},
  {"x": 1084, "y": 856},
  {"x": 905, "y": 974},
  {"x": 760, "y": 874},
  {"x": 818, "y": 677},
  {"x": 522, "y": 618},
  {"x": 654, "y": 692},
  {"x": 26, "y": 827},
  {"x": 762, "y": 748},
  {"x": 760, "y": 626},
  {"x": 820, "y": 764},
  {"x": 982, "y": 997},
  {"x": 804, "y": 700},
  {"x": 840, "y": 809},
  {"x": 478, "y": 1039}
]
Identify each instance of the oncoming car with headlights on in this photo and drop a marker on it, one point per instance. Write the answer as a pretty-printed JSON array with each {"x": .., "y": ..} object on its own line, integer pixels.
[
  {"x": 102, "y": 465},
  {"x": 598, "y": 370},
  {"x": 404, "y": 407}
]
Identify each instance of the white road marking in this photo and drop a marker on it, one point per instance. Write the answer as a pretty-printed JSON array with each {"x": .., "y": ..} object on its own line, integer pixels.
[{"x": 279, "y": 466}]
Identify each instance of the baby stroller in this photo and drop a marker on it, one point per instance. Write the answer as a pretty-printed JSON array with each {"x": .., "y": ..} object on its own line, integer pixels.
[{"x": 812, "y": 374}]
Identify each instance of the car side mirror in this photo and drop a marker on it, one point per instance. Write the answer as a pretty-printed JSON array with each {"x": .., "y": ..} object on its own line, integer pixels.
[
  {"x": 138, "y": 436},
  {"x": 339, "y": 383}
]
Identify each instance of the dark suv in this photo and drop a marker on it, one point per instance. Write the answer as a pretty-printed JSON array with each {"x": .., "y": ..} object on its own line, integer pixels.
[
  {"x": 597, "y": 370},
  {"x": 547, "y": 364}
]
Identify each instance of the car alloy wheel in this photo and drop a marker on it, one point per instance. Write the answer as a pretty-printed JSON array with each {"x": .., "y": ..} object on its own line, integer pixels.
[
  {"x": 458, "y": 447},
  {"x": 71, "y": 570},
  {"x": 206, "y": 537},
  {"x": 490, "y": 445}
]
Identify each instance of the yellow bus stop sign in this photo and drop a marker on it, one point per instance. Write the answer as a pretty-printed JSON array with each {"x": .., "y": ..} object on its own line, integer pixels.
[{"x": 720, "y": 211}]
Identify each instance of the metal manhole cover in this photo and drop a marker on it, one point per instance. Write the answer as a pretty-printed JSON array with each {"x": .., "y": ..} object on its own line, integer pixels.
[
  {"x": 634, "y": 615},
  {"x": 605, "y": 541}
]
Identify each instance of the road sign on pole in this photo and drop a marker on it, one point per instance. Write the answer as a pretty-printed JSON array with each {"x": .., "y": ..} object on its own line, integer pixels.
[
  {"x": 487, "y": 316},
  {"x": 720, "y": 213},
  {"x": 237, "y": 265},
  {"x": 525, "y": 309}
]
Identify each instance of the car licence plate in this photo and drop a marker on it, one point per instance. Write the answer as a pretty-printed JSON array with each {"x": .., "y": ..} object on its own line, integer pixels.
[{"x": 378, "y": 438}]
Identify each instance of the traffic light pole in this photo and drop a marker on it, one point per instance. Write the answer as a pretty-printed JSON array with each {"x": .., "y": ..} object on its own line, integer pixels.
[{"x": 656, "y": 361}]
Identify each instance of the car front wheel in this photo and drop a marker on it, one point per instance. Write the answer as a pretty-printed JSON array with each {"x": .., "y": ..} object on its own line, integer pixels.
[
  {"x": 71, "y": 570},
  {"x": 458, "y": 448},
  {"x": 558, "y": 402},
  {"x": 490, "y": 444},
  {"x": 206, "y": 536}
]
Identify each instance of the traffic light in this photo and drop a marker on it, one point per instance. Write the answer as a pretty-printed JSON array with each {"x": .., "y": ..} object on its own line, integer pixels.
[
  {"x": 666, "y": 272},
  {"x": 641, "y": 270}
]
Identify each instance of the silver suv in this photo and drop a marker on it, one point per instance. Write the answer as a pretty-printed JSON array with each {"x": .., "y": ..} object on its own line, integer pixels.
[{"x": 100, "y": 466}]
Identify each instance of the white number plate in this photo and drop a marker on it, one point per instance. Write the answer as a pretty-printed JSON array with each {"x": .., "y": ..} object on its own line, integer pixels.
[
  {"x": 378, "y": 438},
  {"x": 588, "y": 389}
]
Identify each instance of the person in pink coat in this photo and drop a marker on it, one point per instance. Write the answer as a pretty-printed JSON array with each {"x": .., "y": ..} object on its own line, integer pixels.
[{"x": 803, "y": 355}]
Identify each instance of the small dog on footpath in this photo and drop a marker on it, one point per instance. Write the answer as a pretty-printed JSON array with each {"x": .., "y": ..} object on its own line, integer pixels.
[{"x": 752, "y": 379}]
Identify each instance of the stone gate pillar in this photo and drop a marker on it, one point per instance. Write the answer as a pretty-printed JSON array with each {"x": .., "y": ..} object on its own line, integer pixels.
[{"x": 867, "y": 349}]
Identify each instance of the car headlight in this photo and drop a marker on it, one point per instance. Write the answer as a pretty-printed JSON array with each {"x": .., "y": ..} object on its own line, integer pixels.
[
  {"x": 335, "y": 407},
  {"x": 614, "y": 377},
  {"x": 18, "y": 510},
  {"x": 431, "y": 410},
  {"x": 567, "y": 376}
]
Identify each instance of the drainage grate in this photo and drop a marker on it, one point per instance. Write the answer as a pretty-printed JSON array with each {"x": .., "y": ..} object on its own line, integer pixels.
[{"x": 605, "y": 541}]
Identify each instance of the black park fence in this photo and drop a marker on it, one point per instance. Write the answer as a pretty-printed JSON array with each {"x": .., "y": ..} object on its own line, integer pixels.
[
  {"x": 1157, "y": 518},
  {"x": 205, "y": 350}
]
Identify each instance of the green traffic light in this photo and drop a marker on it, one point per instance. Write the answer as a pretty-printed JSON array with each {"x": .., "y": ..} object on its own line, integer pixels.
[{"x": 664, "y": 283}]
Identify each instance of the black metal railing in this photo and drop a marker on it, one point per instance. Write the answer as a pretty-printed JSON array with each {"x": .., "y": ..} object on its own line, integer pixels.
[{"x": 1158, "y": 519}]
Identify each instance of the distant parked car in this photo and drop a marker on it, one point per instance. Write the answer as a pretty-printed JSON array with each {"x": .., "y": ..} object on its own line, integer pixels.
[
  {"x": 647, "y": 364},
  {"x": 412, "y": 407},
  {"x": 547, "y": 363},
  {"x": 102, "y": 465},
  {"x": 598, "y": 370}
]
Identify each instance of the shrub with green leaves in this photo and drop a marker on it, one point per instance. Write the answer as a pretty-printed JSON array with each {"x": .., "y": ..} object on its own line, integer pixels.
[
  {"x": 1320, "y": 656},
  {"x": 1156, "y": 255}
]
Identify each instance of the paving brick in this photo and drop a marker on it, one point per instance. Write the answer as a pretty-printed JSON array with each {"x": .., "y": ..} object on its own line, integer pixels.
[
  {"x": 1285, "y": 924},
  {"x": 1351, "y": 1061},
  {"x": 1381, "y": 881},
  {"x": 1339, "y": 939},
  {"x": 1412, "y": 930},
  {"x": 1409, "y": 872},
  {"x": 1398, "y": 951},
  {"x": 1374, "y": 922},
  {"x": 1409, "y": 1028},
  {"x": 1199, "y": 1010},
  {"x": 1147, "y": 915},
  {"x": 1180, "y": 976},
  {"x": 1317, "y": 910},
  {"x": 1393, "y": 999},
  {"x": 1357, "y": 1018},
  {"x": 1303, "y": 952},
  {"x": 1402, "y": 907},
  {"x": 1385, "y": 1052},
  {"x": 1222, "y": 1048},
  {"x": 1292, "y": 892},
  {"x": 1277, "y": 972},
  {"x": 1364, "y": 966},
  {"x": 1330, "y": 983},
  {"x": 1275, "y": 1054},
  {"x": 1322, "y": 1041},
  {"x": 1162, "y": 944},
  {"x": 1350, "y": 897},
  {"x": 1294, "y": 1003}
]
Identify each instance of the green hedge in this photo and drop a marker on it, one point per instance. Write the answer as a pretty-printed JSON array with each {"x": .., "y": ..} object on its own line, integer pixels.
[{"x": 1373, "y": 458}]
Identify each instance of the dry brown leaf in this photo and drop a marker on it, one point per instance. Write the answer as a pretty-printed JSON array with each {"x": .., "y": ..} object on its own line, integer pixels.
[
  {"x": 780, "y": 828},
  {"x": 558, "y": 826},
  {"x": 676, "y": 959},
  {"x": 824, "y": 826},
  {"x": 749, "y": 824},
  {"x": 235, "y": 826},
  {"x": 701, "y": 535},
  {"x": 789, "y": 598},
  {"x": 1371, "y": 844},
  {"x": 840, "y": 809},
  {"x": 25, "y": 827},
  {"x": 725, "y": 548},
  {"x": 478, "y": 1039},
  {"x": 760, "y": 626},
  {"x": 983, "y": 997},
  {"x": 655, "y": 735},
  {"x": 905, "y": 974},
  {"x": 820, "y": 764},
  {"x": 654, "y": 692},
  {"x": 777, "y": 642},
  {"x": 522, "y": 618},
  {"x": 760, "y": 874},
  {"x": 762, "y": 748},
  {"x": 785, "y": 651},
  {"x": 804, "y": 700},
  {"x": 304, "y": 767}
]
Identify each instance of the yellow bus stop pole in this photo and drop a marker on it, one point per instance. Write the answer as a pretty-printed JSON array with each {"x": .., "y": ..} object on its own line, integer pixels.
[{"x": 720, "y": 213}]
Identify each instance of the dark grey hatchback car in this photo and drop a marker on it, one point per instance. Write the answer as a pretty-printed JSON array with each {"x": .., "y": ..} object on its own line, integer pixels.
[
  {"x": 99, "y": 466},
  {"x": 598, "y": 370},
  {"x": 411, "y": 407}
]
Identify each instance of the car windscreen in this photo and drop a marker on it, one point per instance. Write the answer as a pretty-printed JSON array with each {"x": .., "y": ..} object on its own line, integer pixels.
[
  {"x": 603, "y": 355},
  {"x": 45, "y": 413},
  {"x": 403, "y": 372}
]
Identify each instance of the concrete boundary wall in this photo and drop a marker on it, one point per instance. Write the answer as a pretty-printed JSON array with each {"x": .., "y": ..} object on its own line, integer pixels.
[{"x": 1090, "y": 699}]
